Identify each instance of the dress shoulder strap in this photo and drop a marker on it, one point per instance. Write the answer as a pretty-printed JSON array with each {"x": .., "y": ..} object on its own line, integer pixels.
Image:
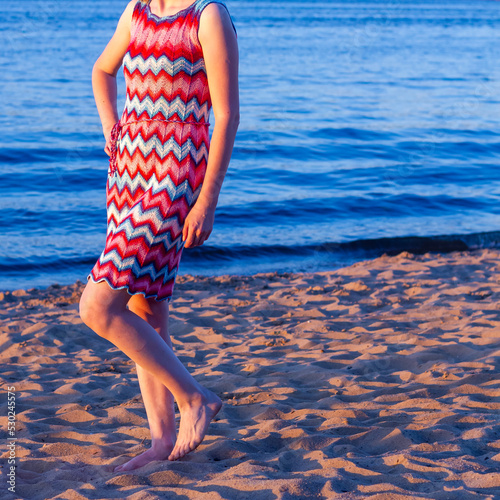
[
  {"x": 139, "y": 5},
  {"x": 136, "y": 13},
  {"x": 201, "y": 4}
]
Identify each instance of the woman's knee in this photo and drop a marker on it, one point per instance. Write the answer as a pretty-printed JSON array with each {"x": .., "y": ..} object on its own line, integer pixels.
[
  {"x": 86, "y": 308},
  {"x": 93, "y": 311}
]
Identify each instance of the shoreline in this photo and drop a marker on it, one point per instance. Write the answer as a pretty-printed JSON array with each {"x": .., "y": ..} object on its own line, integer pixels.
[
  {"x": 377, "y": 379},
  {"x": 309, "y": 257}
]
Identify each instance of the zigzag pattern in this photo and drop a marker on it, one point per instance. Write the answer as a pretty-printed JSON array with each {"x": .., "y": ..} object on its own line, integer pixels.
[
  {"x": 174, "y": 191},
  {"x": 180, "y": 151},
  {"x": 176, "y": 107},
  {"x": 157, "y": 86},
  {"x": 119, "y": 209},
  {"x": 161, "y": 153},
  {"x": 163, "y": 63},
  {"x": 149, "y": 234}
]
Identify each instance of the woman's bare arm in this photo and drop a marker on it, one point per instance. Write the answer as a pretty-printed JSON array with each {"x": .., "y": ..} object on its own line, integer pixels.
[
  {"x": 220, "y": 52},
  {"x": 105, "y": 70}
]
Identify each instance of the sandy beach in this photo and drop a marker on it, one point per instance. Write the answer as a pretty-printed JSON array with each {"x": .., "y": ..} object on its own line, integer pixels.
[{"x": 379, "y": 380}]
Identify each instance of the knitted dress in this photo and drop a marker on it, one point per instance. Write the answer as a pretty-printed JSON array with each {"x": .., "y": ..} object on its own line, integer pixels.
[{"x": 159, "y": 152}]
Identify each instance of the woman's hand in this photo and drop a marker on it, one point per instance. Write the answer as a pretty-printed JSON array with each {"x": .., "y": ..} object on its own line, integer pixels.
[
  {"x": 198, "y": 225},
  {"x": 107, "y": 136}
]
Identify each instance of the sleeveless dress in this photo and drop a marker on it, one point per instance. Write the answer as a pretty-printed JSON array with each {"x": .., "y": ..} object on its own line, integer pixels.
[{"x": 159, "y": 152}]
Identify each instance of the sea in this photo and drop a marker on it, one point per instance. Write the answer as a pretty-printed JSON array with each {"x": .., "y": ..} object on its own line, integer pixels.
[{"x": 367, "y": 127}]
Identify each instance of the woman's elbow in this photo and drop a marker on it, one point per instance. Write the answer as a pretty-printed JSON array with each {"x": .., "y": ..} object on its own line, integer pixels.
[
  {"x": 229, "y": 119},
  {"x": 98, "y": 69}
]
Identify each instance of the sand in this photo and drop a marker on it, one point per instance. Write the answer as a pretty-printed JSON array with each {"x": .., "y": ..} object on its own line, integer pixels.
[{"x": 379, "y": 380}]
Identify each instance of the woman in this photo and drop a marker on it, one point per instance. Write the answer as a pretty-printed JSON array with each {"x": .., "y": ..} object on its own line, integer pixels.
[{"x": 180, "y": 59}]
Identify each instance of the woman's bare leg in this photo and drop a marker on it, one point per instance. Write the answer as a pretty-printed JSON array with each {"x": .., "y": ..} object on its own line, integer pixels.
[
  {"x": 158, "y": 400},
  {"x": 105, "y": 311}
]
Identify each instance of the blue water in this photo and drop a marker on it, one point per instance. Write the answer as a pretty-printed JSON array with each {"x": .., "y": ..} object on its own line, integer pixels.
[{"x": 366, "y": 127}]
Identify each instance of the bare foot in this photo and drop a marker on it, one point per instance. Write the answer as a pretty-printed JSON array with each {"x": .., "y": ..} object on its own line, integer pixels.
[
  {"x": 195, "y": 419},
  {"x": 160, "y": 450}
]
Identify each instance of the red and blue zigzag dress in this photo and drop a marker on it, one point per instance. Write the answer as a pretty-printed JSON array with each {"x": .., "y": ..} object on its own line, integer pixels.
[{"x": 160, "y": 154}]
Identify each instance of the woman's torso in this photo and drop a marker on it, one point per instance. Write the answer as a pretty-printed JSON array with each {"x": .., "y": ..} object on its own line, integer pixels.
[{"x": 164, "y": 69}]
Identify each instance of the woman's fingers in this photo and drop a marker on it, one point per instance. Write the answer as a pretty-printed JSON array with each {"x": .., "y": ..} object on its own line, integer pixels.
[
  {"x": 187, "y": 234},
  {"x": 200, "y": 238},
  {"x": 192, "y": 237},
  {"x": 107, "y": 147},
  {"x": 197, "y": 228},
  {"x": 196, "y": 238}
]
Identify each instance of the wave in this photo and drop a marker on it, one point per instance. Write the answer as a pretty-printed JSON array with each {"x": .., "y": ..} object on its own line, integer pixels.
[
  {"x": 346, "y": 252},
  {"x": 372, "y": 247}
]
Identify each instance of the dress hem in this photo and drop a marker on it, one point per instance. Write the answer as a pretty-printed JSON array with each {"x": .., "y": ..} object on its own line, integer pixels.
[{"x": 126, "y": 287}]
